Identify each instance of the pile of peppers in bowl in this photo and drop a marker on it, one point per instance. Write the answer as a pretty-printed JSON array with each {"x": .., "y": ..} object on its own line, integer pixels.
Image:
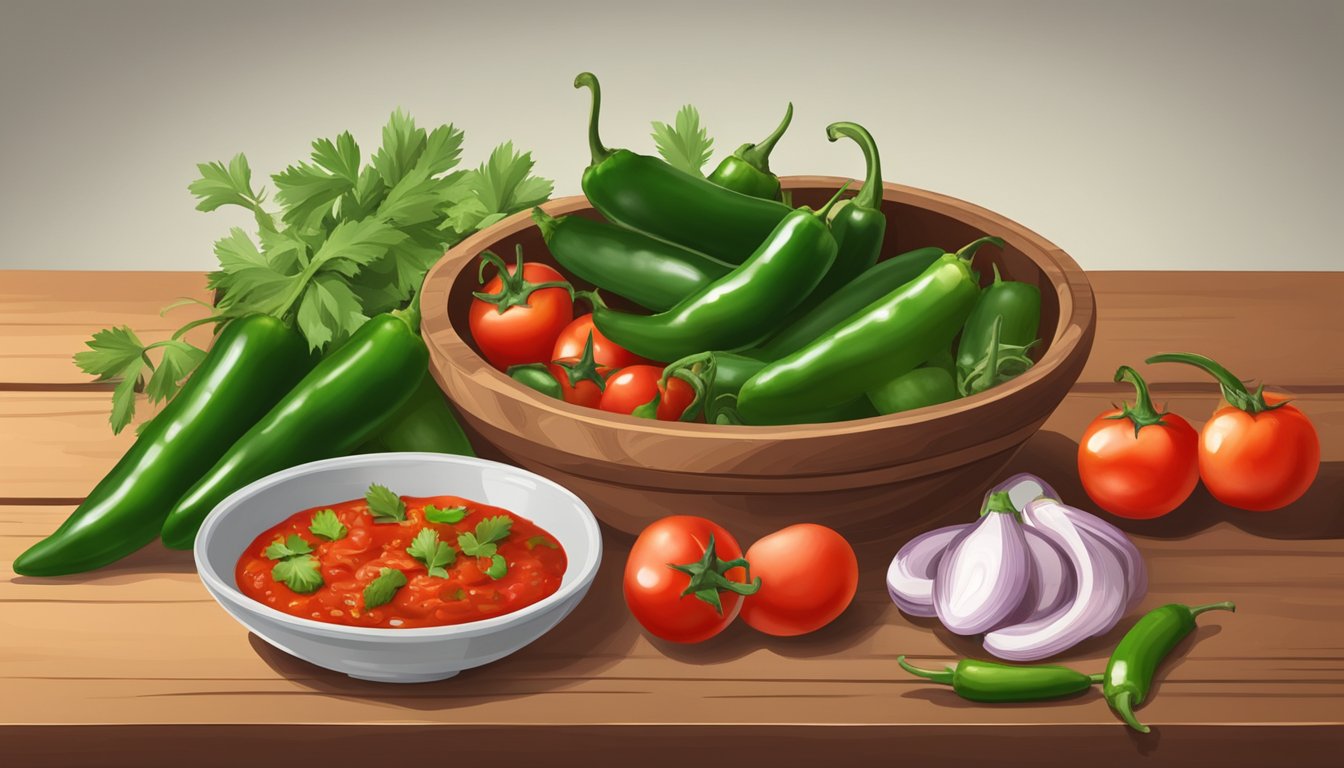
[{"x": 758, "y": 313}]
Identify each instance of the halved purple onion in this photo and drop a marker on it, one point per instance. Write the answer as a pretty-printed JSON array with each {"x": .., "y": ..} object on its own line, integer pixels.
[
  {"x": 1051, "y": 584},
  {"x": 1022, "y": 489},
  {"x": 910, "y": 575},
  {"x": 1098, "y": 600},
  {"x": 983, "y": 576}
]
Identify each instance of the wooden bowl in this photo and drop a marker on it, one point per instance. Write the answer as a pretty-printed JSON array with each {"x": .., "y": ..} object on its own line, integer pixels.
[{"x": 871, "y": 479}]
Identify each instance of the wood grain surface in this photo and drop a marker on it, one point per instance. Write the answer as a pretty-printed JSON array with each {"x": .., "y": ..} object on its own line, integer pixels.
[{"x": 136, "y": 665}]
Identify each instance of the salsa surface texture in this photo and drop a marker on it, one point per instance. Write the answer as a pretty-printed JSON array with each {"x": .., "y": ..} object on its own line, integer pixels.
[{"x": 534, "y": 558}]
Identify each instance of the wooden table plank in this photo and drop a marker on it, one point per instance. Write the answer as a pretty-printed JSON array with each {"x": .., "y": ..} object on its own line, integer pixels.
[{"x": 46, "y": 316}]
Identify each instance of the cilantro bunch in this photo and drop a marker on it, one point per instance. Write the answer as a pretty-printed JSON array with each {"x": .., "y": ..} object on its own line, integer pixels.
[{"x": 345, "y": 241}]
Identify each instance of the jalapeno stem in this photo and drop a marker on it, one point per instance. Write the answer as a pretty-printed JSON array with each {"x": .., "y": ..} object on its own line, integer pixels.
[
  {"x": 1234, "y": 391},
  {"x": 1226, "y": 605},
  {"x": 758, "y": 155},
  {"x": 944, "y": 677},
  {"x": 870, "y": 196},
  {"x": 589, "y": 80},
  {"x": 826, "y": 209},
  {"x": 967, "y": 252}
]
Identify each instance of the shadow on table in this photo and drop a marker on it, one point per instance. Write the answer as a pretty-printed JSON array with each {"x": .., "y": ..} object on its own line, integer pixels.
[{"x": 1319, "y": 514}]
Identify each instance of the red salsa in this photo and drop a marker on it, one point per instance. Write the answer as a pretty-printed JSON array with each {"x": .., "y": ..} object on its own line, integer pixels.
[{"x": 402, "y": 562}]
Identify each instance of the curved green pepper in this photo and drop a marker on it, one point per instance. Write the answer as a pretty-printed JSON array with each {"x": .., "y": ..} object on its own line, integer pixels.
[
  {"x": 748, "y": 169},
  {"x": 722, "y": 375},
  {"x": 251, "y": 365},
  {"x": 884, "y": 340},
  {"x": 738, "y": 309},
  {"x": 863, "y": 290},
  {"x": 919, "y": 388},
  {"x": 537, "y": 376},
  {"x": 994, "y": 683},
  {"x": 652, "y": 273},
  {"x": 425, "y": 423},
  {"x": 648, "y": 195},
  {"x": 342, "y": 402}
]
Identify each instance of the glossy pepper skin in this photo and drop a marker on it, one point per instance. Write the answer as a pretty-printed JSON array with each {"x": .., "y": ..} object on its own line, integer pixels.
[
  {"x": 648, "y": 195},
  {"x": 426, "y": 423},
  {"x": 889, "y": 337},
  {"x": 537, "y": 376},
  {"x": 863, "y": 290},
  {"x": 730, "y": 371},
  {"x": 251, "y": 365},
  {"x": 859, "y": 226},
  {"x": 994, "y": 683},
  {"x": 347, "y": 398},
  {"x": 1129, "y": 673},
  {"x": 748, "y": 169},
  {"x": 652, "y": 273},
  {"x": 1015, "y": 308},
  {"x": 922, "y": 387},
  {"x": 740, "y": 308}
]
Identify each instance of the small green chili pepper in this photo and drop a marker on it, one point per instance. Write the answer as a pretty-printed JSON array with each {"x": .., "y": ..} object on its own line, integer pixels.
[
  {"x": 425, "y": 423},
  {"x": 742, "y": 307},
  {"x": 652, "y": 273},
  {"x": 991, "y": 682},
  {"x": 945, "y": 360},
  {"x": 646, "y": 194},
  {"x": 538, "y": 377},
  {"x": 918, "y": 388},
  {"x": 721, "y": 376},
  {"x": 889, "y": 337},
  {"x": 748, "y": 169},
  {"x": 1016, "y": 308},
  {"x": 1129, "y": 673}
]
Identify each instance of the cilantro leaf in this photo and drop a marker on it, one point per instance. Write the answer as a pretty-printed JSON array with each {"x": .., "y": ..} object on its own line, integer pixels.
[
  {"x": 220, "y": 185},
  {"x": 384, "y": 505},
  {"x": 403, "y": 143},
  {"x": 448, "y": 515},
  {"x": 177, "y": 362},
  {"x": 686, "y": 146},
  {"x": 308, "y": 193},
  {"x": 115, "y": 353},
  {"x": 123, "y": 397},
  {"x": 340, "y": 157},
  {"x": 381, "y": 590},
  {"x": 327, "y": 525},
  {"x": 498, "y": 567},
  {"x": 293, "y": 546},
  {"x": 301, "y": 574},
  {"x": 435, "y": 554},
  {"x": 329, "y": 311},
  {"x": 541, "y": 541},
  {"x": 497, "y": 188},
  {"x": 481, "y": 543}
]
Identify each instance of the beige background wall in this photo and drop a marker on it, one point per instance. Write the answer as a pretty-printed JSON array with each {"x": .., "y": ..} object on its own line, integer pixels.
[{"x": 1181, "y": 135}]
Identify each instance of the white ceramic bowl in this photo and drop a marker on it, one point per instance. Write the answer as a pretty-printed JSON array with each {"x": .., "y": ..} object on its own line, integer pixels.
[{"x": 397, "y": 655}]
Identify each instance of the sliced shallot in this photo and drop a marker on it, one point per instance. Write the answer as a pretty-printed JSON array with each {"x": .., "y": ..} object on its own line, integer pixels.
[
  {"x": 910, "y": 576},
  {"x": 983, "y": 577}
]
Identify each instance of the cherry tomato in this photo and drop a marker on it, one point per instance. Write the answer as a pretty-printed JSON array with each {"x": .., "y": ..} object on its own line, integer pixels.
[
  {"x": 605, "y": 351},
  {"x": 1259, "y": 461},
  {"x": 536, "y": 308},
  {"x": 633, "y": 386},
  {"x": 653, "y": 589},
  {"x": 808, "y": 574},
  {"x": 1136, "y": 462}
]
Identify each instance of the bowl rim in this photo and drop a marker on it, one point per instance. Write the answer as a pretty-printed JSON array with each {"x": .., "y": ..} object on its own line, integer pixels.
[
  {"x": 223, "y": 590},
  {"x": 1077, "y": 315}
]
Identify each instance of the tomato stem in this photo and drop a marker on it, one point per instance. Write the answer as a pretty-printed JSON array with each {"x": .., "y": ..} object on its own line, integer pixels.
[
  {"x": 585, "y": 368},
  {"x": 1234, "y": 391},
  {"x": 1143, "y": 413},
  {"x": 514, "y": 289},
  {"x": 708, "y": 577}
]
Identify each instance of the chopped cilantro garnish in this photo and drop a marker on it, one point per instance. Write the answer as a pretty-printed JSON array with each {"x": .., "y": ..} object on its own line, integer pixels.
[
  {"x": 541, "y": 541},
  {"x": 381, "y": 590},
  {"x": 448, "y": 515},
  {"x": 384, "y": 505},
  {"x": 497, "y": 567},
  {"x": 293, "y": 546},
  {"x": 481, "y": 543},
  {"x": 299, "y": 572},
  {"x": 327, "y": 525},
  {"x": 435, "y": 554}
]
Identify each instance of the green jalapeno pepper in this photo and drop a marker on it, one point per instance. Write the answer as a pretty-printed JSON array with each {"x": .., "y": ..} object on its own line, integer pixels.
[
  {"x": 921, "y": 387},
  {"x": 993, "y": 683},
  {"x": 740, "y": 308},
  {"x": 887, "y": 338},
  {"x": 536, "y": 376},
  {"x": 880, "y": 280},
  {"x": 859, "y": 225},
  {"x": 426, "y": 423},
  {"x": 721, "y": 376},
  {"x": 646, "y": 194},
  {"x": 945, "y": 360},
  {"x": 985, "y": 360},
  {"x": 342, "y": 402},
  {"x": 652, "y": 273},
  {"x": 748, "y": 169},
  {"x": 1129, "y": 673},
  {"x": 254, "y": 361}
]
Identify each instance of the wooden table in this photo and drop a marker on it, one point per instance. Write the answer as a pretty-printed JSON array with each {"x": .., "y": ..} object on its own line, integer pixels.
[{"x": 135, "y": 664}]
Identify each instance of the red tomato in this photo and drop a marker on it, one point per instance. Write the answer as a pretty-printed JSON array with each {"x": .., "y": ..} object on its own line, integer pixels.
[
  {"x": 585, "y": 390},
  {"x": 653, "y": 591},
  {"x": 1138, "y": 475},
  {"x": 533, "y": 317},
  {"x": 808, "y": 574},
  {"x": 1259, "y": 461},
  {"x": 636, "y": 385},
  {"x": 605, "y": 351}
]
